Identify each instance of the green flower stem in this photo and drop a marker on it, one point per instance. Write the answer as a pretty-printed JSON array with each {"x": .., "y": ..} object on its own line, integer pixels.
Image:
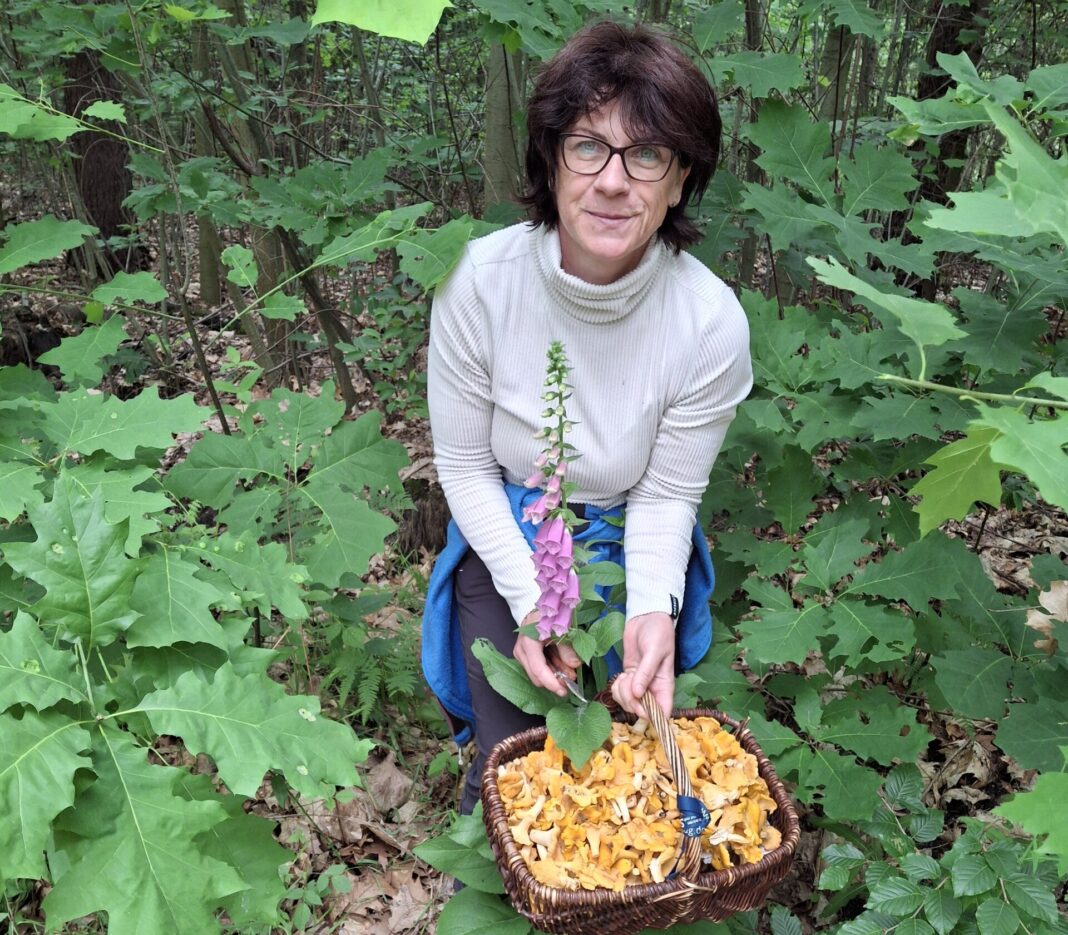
[
  {"x": 973, "y": 394},
  {"x": 85, "y": 675}
]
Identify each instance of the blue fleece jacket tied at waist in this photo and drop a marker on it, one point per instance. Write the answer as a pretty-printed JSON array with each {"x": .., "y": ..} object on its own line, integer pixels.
[{"x": 442, "y": 652}]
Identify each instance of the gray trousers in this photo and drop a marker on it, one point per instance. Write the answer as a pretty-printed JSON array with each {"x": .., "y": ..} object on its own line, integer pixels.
[{"x": 484, "y": 613}]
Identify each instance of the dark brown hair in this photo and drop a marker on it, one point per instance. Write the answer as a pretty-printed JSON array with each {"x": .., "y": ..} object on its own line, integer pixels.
[{"x": 663, "y": 98}]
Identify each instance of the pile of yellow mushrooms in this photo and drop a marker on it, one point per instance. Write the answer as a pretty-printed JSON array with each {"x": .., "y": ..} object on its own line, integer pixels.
[{"x": 615, "y": 823}]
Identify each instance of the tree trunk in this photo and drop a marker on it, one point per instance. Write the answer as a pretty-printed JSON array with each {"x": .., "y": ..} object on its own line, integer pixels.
[
  {"x": 99, "y": 160},
  {"x": 501, "y": 174},
  {"x": 834, "y": 71},
  {"x": 209, "y": 245}
]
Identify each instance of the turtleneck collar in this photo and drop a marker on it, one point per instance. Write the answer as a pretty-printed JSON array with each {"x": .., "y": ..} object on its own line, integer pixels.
[{"x": 586, "y": 301}]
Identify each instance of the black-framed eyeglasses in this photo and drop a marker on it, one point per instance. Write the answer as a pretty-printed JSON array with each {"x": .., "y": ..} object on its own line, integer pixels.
[{"x": 643, "y": 162}]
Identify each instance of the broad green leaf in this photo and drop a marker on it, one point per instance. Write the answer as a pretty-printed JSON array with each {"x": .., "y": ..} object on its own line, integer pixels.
[
  {"x": 34, "y": 673},
  {"x": 217, "y": 462},
  {"x": 1049, "y": 84},
  {"x": 760, "y": 72},
  {"x": 784, "y": 213},
  {"x": 937, "y": 116},
  {"x": 784, "y": 922},
  {"x": 462, "y": 861},
  {"x": 471, "y": 912},
  {"x": 296, "y": 422},
  {"x": 919, "y": 867},
  {"x": 857, "y": 17},
  {"x": 794, "y": 147},
  {"x": 24, "y": 119},
  {"x": 18, "y": 488},
  {"x": 264, "y": 572},
  {"x": 1001, "y": 338},
  {"x": 174, "y": 604},
  {"x": 578, "y": 730},
  {"x": 1033, "y": 447},
  {"x": 963, "y": 473},
  {"x": 248, "y": 725},
  {"x": 106, "y": 110},
  {"x": 412, "y": 20},
  {"x": 351, "y": 532},
  {"x": 832, "y": 549},
  {"x": 80, "y": 358},
  {"x": 971, "y": 875},
  {"x": 898, "y": 416},
  {"x": 1028, "y": 894},
  {"x": 278, "y": 305},
  {"x": 715, "y": 21},
  {"x": 78, "y": 558},
  {"x": 427, "y": 256},
  {"x": 822, "y": 415},
  {"x": 926, "y": 323},
  {"x": 913, "y": 926},
  {"x": 781, "y": 636},
  {"x": 845, "y": 789},
  {"x": 875, "y": 726},
  {"x": 185, "y": 15},
  {"x": 240, "y": 265},
  {"x": 122, "y": 498},
  {"x": 896, "y": 896},
  {"x": 942, "y": 909},
  {"x": 247, "y": 843},
  {"x": 510, "y": 681},
  {"x": 38, "y": 240},
  {"x": 790, "y": 488},
  {"x": 356, "y": 456},
  {"x": 1005, "y": 89},
  {"x": 39, "y": 755},
  {"x": 132, "y": 853},
  {"x": 996, "y": 917},
  {"x": 133, "y": 287},
  {"x": 916, "y": 575},
  {"x": 876, "y": 177},
  {"x": 1055, "y": 386},
  {"x": 87, "y": 423},
  {"x": 1041, "y": 813},
  {"x": 865, "y": 631},
  {"x": 1034, "y": 734},
  {"x": 987, "y": 614},
  {"x": 974, "y": 681}
]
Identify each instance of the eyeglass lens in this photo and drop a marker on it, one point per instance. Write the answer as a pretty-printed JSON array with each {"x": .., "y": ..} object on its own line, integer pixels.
[{"x": 646, "y": 162}]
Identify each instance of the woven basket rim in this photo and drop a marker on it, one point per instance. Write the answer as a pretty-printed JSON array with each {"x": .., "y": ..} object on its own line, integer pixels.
[{"x": 774, "y": 863}]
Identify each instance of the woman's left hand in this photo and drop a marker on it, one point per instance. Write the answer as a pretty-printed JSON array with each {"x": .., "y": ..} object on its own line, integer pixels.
[{"x": 648, "y": 663}]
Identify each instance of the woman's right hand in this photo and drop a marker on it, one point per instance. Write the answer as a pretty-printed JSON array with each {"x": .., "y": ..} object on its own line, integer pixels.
[{"x": 541, "y": 661}]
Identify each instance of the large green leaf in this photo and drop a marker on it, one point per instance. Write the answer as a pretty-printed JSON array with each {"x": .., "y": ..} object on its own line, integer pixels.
[
  {"x": 926, "y": 323},
  {"x": 510, "y": 681},
  {"x": 876, "y": 177},
  {"x": 248, "y": 844},
  {"x": 1041, "y": 813},
  {"x": 296, "y": 422},
  {"x": 1001, "y": 337},
  {"x": 86, "y": 423},
  {"x": 715, "y": 21},
  {"x": 123, "y": 500},
  {"x": 974, "y": 681},
  {"x": 79, "y": 559},
  {"x": 129, "y": 849},
  {"x": 865, "y": 631},
  {"x": 784, "y": 213},
  {"x": 1033, "y": 735},
  {"x": 857, "y": 17},
  {"x": 80, "y": 358},
  {"x": 427, "y": 256},
  {"x": 578, "y": 730},
  {"x": 217, "y": 462},
  {"x": 832, "y": 548},
  {"x": 1033, "y": 447},
  {"x": 413, "y": 20},
  {"x": 351, "y": 533},
  {"x": 133, "y": 287},
  {"x": 795, "y": 148},
  {"x": 917, "y": 575},
  {"x": 39, "y": 755},
  {"x": 174, "y": 604},
  {"x": 963, "y": 473},
  {"x": 459, "y": 860},
  {"x": 942, "y": 910},
  {"x": 355, "y": 456},
  {"x": 875, "y": 726},
  {"x": 18, "y": 488},
  {"x": 263, "y": 572},
  {"x": 25, "y": 120},
  {"x": 38, "y": 240},
  {"x": 248, "y": 725},
  {"x": 760, "y": 72},
  {"x": 790, "y": 488},
  {"x": 845, "y": 789},
  {"x": 471, "y": 912},
  {"x": 785, "y": 635},
  {"x": 34, "y": 673}
]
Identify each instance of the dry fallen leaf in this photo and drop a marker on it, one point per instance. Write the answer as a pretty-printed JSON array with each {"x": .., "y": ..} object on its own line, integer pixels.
[{"x": 388, "y": 787}]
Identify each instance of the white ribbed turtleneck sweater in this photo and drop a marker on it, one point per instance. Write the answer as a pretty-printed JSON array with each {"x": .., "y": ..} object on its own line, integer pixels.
[{"x": 659, "y": 361}]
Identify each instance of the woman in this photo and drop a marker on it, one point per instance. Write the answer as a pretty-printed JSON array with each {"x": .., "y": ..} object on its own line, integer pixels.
[{"x": 624, "y": 133}]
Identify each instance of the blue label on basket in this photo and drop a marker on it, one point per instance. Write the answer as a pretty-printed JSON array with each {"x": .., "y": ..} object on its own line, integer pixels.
[{"x": 695, "y": 817}]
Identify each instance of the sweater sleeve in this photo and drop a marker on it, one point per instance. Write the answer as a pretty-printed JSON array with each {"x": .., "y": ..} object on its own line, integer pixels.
[
  {"x": 662, "y": 506},
  {"x": 459, "y": 392}
]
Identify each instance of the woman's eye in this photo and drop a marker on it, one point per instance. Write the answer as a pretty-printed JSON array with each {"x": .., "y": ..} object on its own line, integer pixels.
[
  {"x": 648, "y": 154},
  {"x": 588, "y": 148}
]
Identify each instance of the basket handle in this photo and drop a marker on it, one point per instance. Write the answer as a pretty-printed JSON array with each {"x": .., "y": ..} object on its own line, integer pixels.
[{"x": 689, "y": 862}]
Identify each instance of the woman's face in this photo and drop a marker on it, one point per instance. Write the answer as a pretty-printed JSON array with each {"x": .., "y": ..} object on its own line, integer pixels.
[{"x": 608, "y": 219}]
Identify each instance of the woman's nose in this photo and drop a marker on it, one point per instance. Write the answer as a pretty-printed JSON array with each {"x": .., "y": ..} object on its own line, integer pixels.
[{"x": 613, "y": 177}]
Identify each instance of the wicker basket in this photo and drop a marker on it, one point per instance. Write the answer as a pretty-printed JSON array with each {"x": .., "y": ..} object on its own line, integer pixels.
[{"x": 688, "y": 897}]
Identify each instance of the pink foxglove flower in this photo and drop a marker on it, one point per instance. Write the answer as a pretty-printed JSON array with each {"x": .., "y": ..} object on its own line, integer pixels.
[{"x": 555, "y": 573}]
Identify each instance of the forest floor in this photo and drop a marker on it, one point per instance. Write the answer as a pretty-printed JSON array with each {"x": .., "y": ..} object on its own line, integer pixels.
[{"x": 379, "y": 887}]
